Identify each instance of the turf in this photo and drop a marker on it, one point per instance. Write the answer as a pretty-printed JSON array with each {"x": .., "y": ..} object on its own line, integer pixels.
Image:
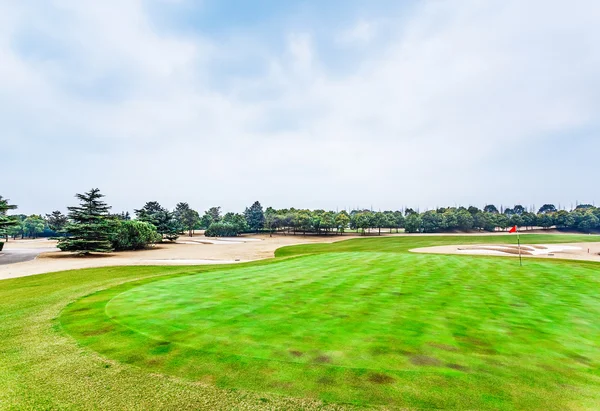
[{"x": 361, "y": 322}]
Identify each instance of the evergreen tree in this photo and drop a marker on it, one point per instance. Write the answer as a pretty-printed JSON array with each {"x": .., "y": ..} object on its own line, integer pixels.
[
  {"x": 56, "y": 221},
  {"x": 165, "y": 222},
  {"x": 186, "y": 217},
  {"x": 6, "y": 222},
  {"x": 255, "y": 216},
  {"x": 89, "y": 226}
]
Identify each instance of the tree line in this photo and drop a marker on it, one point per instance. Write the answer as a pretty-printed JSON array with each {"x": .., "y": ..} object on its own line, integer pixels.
[{"x": 91, "y": 227}]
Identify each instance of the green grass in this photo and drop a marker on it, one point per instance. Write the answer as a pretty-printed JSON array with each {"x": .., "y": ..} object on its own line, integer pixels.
[{"x": 361, "y": 322}]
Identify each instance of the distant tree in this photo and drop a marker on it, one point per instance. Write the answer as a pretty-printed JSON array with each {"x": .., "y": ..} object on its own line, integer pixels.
[
  {"x": 484, "y": 221},
  {"x": 545, "y": 220},
  {"x": 303, "y": 221},
  {"x": 400, "y": 220},
  {"x": 517, "y": 220},
  {"x": 122, "y": 216},
  {"x": 464, "y": 220},
  {"x": 56, "y": 221},
  {"x": 365, "y": 220},
  {"x": 237, "y": 220},
  {"x": 378, "y": 221},
  {"x": 389, "y": 220},
  {"x": 133, "y": 235},
  {"x": 6, "y": 222},
  {"x": 473, "y": 210},
  {"x": 186, "y": 217},
  {"x": 89, "y": 226},
  {"x": 431, "y": 221},
  {"x": 255, "y": 217},
  {"x": 342, "y": 219},
  {"x": 584, "y": 207},
  {"x": 14, "y": 230},
  {"x": 205, "y": 221},
  {"x": 502, "y": 221},
  {"x": 328, "y": 221},
  {"x": 270, "y": 220},
  {"x": 409, "y": 211},
  {"x": 165, "y": 222},
  {"x": 588, "y": 222},
  {"x": 33, "y": 225},
  {"x": 221, "y": 229},
  {"x": 547, "y": 208},
  {"x": 215, "y": 214},
  {"x": 564, "y": 219},
  {"x": 490, "y": 208},
  {"x": 529, "y": 219},
  {"x": 449, "y": 219},
  {"x": 413, "y": 223},
  {"x": 519, "y": 209},
  {"x": 149, "y": 211}
]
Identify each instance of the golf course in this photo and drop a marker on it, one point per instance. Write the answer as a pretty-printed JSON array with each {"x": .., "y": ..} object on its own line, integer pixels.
[{"x": 355, "y": 323}]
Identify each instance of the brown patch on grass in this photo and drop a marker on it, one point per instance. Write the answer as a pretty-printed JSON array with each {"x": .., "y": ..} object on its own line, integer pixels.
[
  {"x": 457, "y": 367},
  {"x": 444, "y": 347},
  {"x": 325, "y": 381},
  {"x": 296, "y": 353},
  {"x": 582, "y": 359},
  {"x": 425, "y": 360},
  {"x": 154, "y": 361},
  {"x": 380, "y": 379},
  {"x": 323, "y": 359}
]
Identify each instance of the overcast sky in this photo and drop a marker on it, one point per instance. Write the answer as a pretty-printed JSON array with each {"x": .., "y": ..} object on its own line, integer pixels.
[{"x": 311, "y": 104}]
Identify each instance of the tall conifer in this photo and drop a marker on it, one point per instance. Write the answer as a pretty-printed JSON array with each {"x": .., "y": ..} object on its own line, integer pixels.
[{"x": 89, "y": 226}]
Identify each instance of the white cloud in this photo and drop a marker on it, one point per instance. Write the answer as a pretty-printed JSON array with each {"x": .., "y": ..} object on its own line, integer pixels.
[
  {"x": 362, "y": 33},
  {"x": 431, "y": 116}
]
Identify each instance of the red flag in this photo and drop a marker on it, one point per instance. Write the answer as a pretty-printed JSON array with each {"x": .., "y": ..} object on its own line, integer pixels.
[{"x": 513, "y": 230}]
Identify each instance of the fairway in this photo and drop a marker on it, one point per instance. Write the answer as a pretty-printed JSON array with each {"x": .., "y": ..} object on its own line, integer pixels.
[{"x": 365, "y": 322}]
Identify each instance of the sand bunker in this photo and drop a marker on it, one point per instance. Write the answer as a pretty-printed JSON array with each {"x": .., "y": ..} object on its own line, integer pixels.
[
  {"x": 579, "y": 251},
  {"x": 514, "y": 250}
]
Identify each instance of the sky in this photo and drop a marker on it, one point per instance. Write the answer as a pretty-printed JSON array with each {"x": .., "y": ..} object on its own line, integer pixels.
[{"x": 308, "y": 104}]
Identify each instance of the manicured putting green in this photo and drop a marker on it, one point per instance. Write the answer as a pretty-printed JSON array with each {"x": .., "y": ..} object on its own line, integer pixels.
[{"x": 366, "y": 327}]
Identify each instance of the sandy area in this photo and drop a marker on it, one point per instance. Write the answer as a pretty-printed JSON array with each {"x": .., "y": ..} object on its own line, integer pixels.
[
  {"x": 571, "y": 251},
  {"x": 186, "y": 251}
]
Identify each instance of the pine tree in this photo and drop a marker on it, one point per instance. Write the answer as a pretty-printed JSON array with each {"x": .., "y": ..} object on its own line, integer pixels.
[
  {"x": 255, "y": 216},
  {"x": 89, "y": 226},
  {"x": 6, "y": 222},
  {"x": 56, "y": 221},
  {"x": 165, "y": 222}
]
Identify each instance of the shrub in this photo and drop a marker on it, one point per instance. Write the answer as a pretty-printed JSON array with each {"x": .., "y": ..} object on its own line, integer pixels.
[
  {"x": 222, "y": 230},
  {"x": 134, "y": 235}
]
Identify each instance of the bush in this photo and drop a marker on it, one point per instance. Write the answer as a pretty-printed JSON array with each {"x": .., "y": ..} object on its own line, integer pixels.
[
  {"x": 134, "y": 235},
  {"x": 222, "y": 230}
]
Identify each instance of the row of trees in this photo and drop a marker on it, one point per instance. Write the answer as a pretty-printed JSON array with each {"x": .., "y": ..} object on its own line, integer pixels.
[
  {"x": 585, "y": 218},
  {"x": 91, "y": 227}
]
